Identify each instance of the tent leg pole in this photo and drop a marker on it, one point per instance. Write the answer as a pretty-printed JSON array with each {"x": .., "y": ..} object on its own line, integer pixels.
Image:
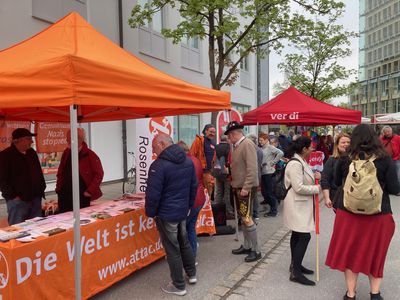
[{"x": 75, "y": 202}]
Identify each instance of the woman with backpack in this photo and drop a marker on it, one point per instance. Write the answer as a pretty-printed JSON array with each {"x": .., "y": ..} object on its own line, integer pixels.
[
  {"x": 298, "y": 206},
  {"x": 328, "y": 185},
  {"x": 361, "y": 237}
]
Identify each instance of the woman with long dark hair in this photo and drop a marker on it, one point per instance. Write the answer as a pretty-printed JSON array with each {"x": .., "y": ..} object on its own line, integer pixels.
[
  {"x": 359, "y": 243},
  {"x": 298, "y": 206}
]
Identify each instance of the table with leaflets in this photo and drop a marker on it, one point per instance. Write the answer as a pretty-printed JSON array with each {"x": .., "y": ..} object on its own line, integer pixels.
[{"x": 116, "y": 240}]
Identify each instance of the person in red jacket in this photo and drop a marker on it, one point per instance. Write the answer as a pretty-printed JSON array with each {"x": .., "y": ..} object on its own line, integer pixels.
[
  {"x": 90, "y": 175},
  {"x": 391, "y": 142},
  {"x": 191, "y": 220}
]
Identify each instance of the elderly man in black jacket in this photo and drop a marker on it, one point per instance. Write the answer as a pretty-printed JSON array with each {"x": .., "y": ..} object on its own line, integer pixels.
[
  {"x": 21, "y": 178},
  {"x": 171, "y": 191}
]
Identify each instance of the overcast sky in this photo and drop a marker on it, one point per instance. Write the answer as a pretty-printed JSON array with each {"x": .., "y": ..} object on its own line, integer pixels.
[{"x": 350, "y": 23}]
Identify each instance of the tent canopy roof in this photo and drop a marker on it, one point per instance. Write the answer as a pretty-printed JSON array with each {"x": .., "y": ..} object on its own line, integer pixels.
[
  {"x": 292, "y": 107},
  {"x": 71, "y": 63}
]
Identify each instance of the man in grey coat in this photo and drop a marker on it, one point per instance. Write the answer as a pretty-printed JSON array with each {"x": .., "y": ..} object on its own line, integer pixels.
[{"x": 244, "y": 183}]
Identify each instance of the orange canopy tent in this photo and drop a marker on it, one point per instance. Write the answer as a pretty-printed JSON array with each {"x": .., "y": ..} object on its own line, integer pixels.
[
  {"x": 71, "y": 63},
  {"x": 70, "y": 72}
]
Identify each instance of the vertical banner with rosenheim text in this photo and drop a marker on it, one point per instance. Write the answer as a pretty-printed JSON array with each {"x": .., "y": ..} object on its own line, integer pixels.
[{"x": 146, "y": 130}]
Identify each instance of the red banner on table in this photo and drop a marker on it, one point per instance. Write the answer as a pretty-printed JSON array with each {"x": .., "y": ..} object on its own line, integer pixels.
[
  {"x": 6, "y": 129},
  {"x": 51, "y": 137},
  {"x": 205, "y": 220}
]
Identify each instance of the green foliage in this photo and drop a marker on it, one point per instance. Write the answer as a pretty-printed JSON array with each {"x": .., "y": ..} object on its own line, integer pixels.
[
  {"x": 315, "y": 68},
  {"x": 235, "y": 28}
]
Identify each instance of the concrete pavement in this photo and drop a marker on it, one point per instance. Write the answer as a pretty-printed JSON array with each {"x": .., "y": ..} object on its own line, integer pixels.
[{"x": 222, "y": 275}]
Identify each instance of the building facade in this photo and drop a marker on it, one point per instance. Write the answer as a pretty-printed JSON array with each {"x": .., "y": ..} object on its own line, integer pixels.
[
  {"x": 188, "y": 61},
  {"x": 378, "y": 89}
]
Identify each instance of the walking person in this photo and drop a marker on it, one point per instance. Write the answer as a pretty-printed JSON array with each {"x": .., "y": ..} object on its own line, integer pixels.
[
  {"x": 171, "y": 192},
  {"x": 328, "y": 185},
  {"x": 191, "y": 219},
  {"x": 298, "y": 206},
  {"x": 90, "y": 175},
  {"x": 222, "y": 183},
  {"x": 244, "y": 183},
  {"x": 271, "y": 156},
  {"x": 359, "y": 243},
  {"x": 21, "y": 178}
]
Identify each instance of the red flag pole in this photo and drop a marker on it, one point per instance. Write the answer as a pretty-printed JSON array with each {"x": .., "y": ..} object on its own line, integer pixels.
[{"x": 317, "y": 232}]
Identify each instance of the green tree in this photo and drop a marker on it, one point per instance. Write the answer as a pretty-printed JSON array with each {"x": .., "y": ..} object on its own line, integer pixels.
[
  {"x": 315, "y": 69},
  {"x": 235, "y": 28}
]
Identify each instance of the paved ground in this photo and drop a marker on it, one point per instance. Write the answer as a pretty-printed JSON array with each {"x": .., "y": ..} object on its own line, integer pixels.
[{"x": 222, "y": 275}]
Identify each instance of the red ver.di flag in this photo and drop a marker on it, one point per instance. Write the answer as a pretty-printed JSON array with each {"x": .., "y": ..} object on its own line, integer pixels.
[{"x": 316, "y": 161}]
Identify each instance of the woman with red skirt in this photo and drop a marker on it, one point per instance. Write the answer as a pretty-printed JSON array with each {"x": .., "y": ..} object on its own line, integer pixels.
[{"x": 359, "y": 243}]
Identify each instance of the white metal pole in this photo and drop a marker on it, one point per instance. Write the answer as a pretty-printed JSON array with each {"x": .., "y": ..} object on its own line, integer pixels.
[{"x": 75, "y": 197}]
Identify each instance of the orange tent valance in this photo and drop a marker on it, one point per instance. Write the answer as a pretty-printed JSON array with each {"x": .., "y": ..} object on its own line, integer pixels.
[{"x": 71, "y": 63}]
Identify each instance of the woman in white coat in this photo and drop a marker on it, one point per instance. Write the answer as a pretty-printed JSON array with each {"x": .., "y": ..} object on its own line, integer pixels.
[{"x": 298, "y": 208}]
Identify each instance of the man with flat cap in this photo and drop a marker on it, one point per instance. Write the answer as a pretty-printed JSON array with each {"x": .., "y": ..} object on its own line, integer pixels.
[
  {"x": 21, "y": 178},
  {"x": 203, "y": 147},
  {"x": 244, "y": 174}
]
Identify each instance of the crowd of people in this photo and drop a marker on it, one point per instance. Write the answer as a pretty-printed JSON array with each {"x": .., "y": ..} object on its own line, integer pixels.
[
  {"x": 232, "y": 172},
  {"x": 246, "y": 165}
]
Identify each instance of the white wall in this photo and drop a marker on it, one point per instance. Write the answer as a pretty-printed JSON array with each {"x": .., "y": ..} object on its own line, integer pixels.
[{"x": 106, "y": 140}]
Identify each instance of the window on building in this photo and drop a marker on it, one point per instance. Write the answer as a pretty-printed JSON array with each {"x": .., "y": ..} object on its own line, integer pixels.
[
  {"x": 245, "y": 75},
  {"x": 53, "y": 10},
  {"x": 390, "y": 50},
  {"x": 385, "y": 51},
  {"x": 242, "y": 109},
  {"x": 385, "y": 13},
  {"x": 190, "y": 54},
  {"x": 244, "y": 64},
  {"x": 385, "y": 87},
  {"x": 373, "y": 89},
  {"x": 364, "y": 109},
  {"x": 384, "y": 69},
  {"x": 186, "y": 127},
  {"x": 396, "y": 66},
  {"x": 396, "y": 105},
  {"x": 390, "y": 30},
  {"x": 374, "y": 108},
  {"x": 151, "y": 41},
  {"x": 385, "y": 107}
]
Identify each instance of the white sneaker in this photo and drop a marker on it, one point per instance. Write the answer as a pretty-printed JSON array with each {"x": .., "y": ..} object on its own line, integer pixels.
[
  {"x": 192, "y": 280},
  {"x": 196, "y": 263},
  {"x": 171, "y": 289}
]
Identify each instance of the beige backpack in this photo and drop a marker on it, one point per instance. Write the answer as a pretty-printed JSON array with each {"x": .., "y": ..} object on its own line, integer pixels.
[{"x": 362, "y": 193}]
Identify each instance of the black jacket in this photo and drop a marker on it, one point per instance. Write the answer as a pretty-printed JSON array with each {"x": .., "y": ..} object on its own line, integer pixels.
[
  {"x": 222, "y": 150},
  {"x": 329, "y": 175},
  {"x": 387, "y": 177},
  {"x": 16, "y": 171}
]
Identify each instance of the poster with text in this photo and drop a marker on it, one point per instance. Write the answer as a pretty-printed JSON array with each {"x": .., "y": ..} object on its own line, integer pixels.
[
  {"x": 6, "y": 129},
  {"x": 146, "y": 130}
]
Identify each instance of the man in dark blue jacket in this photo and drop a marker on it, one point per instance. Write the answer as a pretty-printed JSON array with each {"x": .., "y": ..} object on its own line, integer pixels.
[{"x": 171, "y": 191}]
